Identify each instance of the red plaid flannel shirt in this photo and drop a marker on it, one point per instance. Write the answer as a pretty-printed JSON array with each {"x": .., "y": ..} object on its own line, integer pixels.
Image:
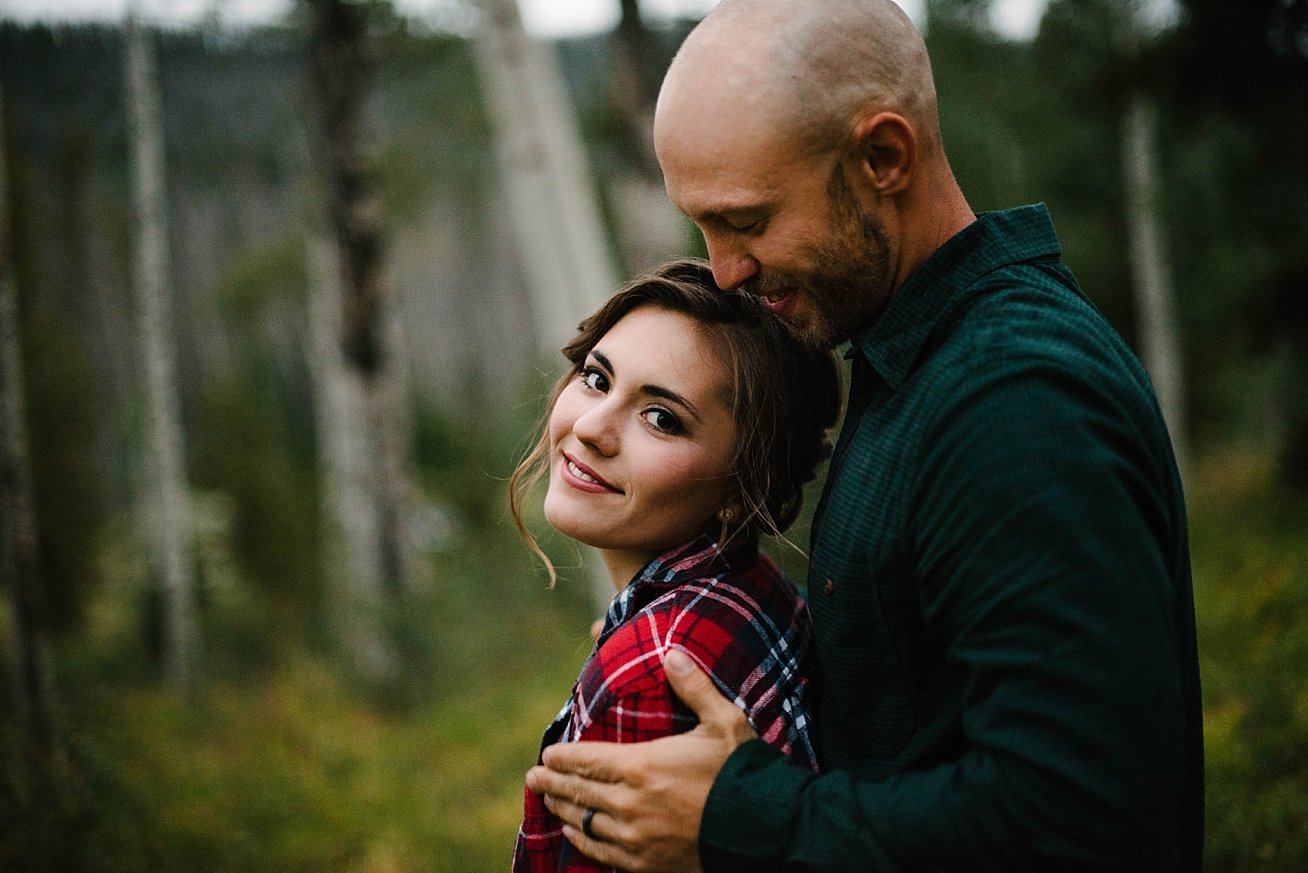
[{"x": 742, "y": 622}]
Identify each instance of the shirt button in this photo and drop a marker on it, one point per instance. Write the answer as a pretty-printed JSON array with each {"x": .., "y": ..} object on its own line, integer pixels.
[{"x": 828, "y": 586}]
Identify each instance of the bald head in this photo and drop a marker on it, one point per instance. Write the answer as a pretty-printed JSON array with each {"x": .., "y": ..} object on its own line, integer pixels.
[
  {"x": 801, "y": 137},
  {"x": 810, "y": 69}
]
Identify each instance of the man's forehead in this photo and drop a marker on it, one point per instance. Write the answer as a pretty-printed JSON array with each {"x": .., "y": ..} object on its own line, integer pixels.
[
  {"x": 719, "y": 115},
  {"x": 720, "y": 168}
]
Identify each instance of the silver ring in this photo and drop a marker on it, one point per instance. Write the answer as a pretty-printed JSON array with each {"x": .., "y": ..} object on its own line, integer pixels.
[{"x": 586, "y": 823}]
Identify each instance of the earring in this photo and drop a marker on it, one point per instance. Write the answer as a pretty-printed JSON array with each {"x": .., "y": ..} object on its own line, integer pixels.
[{"x": 726, "y": 514}]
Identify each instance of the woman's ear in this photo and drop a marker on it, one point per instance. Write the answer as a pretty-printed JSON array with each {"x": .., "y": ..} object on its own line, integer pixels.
[{"x": 885, "y": 145}]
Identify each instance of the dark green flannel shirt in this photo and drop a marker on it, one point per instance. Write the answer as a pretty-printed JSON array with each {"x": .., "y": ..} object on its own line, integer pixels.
[{"x": 1000, "y": 586}]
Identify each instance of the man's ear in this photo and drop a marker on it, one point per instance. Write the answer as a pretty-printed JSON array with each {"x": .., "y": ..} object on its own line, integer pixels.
[{"x": 885, "y": 145}]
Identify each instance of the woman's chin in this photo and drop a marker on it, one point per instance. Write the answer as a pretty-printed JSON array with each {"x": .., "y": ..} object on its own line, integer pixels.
[{"x": 568, "y": 524}]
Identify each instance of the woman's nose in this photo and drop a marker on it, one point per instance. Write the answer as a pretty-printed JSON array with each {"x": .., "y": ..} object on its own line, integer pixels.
[{"x": 597, "y": 428}]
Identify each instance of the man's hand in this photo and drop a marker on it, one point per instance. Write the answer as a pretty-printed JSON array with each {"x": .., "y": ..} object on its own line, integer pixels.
[{"x": 648, "y": 797}]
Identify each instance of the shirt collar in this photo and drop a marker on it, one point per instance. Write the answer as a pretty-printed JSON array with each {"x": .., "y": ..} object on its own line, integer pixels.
[
  {"x": 996, "y": 239},
  {"x": 699, "y": 558}
]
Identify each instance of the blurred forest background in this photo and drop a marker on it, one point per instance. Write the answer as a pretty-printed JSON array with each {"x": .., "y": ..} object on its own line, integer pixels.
[{"x": 337, "y": 303}]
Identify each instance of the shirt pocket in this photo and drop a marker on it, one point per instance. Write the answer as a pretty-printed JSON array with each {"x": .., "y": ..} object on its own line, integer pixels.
[{"x": 866, "y": 711}]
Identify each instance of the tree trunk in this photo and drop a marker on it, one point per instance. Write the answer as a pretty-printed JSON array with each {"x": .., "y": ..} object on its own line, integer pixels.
[
  {"x": 650, "y": 229},
  {"x": 1159, "y": 331},
  {"x": 167, "y": 509},
  {"x": 359, "y": 375},
  {"x": 634, "y": 89},
  {"x": 18, "y": 551},
  {"x": 545, "y": 175}
]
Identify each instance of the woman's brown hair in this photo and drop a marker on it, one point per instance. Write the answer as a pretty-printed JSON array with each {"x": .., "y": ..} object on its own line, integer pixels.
[{"x": 785, "y": 394}]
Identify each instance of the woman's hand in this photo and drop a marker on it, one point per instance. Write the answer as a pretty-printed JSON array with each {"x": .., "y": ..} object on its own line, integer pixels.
[{"x": 648, "y": 797}]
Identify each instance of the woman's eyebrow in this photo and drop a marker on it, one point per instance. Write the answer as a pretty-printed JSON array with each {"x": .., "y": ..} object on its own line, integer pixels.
[
  {"x": 665, "y": 394},
  {"x": 652, "y": 390}
]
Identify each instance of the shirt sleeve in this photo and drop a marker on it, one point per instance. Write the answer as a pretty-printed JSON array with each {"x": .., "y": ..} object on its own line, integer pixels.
[
  {"x": 634, "y": 703},
  {"x": 1042, "y": 528},
  {"x": 642, "y": 714}
]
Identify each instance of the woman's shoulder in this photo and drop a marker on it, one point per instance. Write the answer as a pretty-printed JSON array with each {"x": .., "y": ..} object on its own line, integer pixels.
[{"x": 729, "y": 624}]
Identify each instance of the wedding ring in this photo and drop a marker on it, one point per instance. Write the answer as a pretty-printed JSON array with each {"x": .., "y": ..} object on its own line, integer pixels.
[{"x": 586, "y": 822}]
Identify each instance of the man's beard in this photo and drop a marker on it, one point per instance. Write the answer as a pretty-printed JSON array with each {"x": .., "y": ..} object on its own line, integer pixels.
[{"x": 852, "y": 275}]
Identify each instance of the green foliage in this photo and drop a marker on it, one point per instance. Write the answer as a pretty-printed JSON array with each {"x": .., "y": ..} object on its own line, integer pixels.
[
  {"x": 243, "y": 451},
  {"x": 292, "y": 774},
  {"x": 465, "y": 461},
  {"x": 61, "y": 407},
  {"x": 1031, "y": 123},
  {"x": 288, "y": 768},
  {"x": 1250, "y": 545},
  {"x": 444, "y": 143},
  {"x": 1236, "y": 75},
  {"x": 252, "y": 449}
]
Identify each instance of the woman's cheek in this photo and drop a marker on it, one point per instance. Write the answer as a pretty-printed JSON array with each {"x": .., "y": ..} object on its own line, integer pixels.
[
  {"x": 675, "y": 470},
  {"x": 563, "y": 416}
]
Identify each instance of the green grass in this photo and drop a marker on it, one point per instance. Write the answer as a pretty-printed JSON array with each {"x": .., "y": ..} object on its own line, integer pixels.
[
  {"x": 295, "y": 772},
  {"x": 1250, "y": 553}
]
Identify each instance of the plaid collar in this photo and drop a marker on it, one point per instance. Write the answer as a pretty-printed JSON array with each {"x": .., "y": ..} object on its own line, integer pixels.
[{"x": 699, "y": 558}]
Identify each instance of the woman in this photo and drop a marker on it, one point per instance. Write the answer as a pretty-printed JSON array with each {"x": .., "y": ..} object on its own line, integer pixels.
[{"x": 687, "y": 426}]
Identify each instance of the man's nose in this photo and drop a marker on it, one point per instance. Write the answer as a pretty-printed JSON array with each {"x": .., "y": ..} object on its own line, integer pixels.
[{"x": 731, "y": 263}]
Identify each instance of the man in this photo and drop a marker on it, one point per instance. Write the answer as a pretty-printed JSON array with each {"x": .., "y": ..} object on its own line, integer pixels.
[{"x": 999, "y": 573}]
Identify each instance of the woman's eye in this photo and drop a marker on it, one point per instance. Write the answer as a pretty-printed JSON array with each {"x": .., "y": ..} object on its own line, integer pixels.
[
  {"x": 663, "y": 420},
  {"x": 595, "y": 380}
]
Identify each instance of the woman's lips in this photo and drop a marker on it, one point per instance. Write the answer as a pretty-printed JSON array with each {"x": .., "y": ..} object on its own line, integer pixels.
[{"x": 578, "y": 475}]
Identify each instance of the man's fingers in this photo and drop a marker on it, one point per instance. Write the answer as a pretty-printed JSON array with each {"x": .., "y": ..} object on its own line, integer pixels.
[
  {"x": 607, "y": 846},
  {"x": 601, "y": 762},
  {"x": 571, "y": 813},
  {"x": 610, "y": 853},
  {"x": 574, "y": 789},
  {"x": 697, "y": 691}
]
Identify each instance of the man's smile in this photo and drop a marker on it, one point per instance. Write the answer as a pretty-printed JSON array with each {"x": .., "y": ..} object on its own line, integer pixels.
[{"x": 783, "y": 302}]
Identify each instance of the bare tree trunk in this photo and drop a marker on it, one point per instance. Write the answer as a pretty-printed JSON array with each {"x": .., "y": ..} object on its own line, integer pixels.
[
  {"x": 650, "y": 229},
  {"x": 167, "y": 504},
  {"x": 355, "y": 472},
  {"x": 1160, "y": 344},
  {"x": 546, "y": 177},
  {"x": 632, "y": 88},
  {"x": 18, "y": 544},
  {"x": 359, "y": 373}
]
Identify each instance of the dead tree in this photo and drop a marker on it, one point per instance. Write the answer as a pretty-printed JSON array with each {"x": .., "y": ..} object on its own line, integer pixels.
[
  {"x": 18, "y": 541},
  {"x": 545, "y": 175},
  {"x": 650, "y": 229},
  {"x": 634, "y": 89},
  {"x": 167, "y": 506},
  {"x": 1159, "y": 328},
  {"x": 359, "y": 375}
]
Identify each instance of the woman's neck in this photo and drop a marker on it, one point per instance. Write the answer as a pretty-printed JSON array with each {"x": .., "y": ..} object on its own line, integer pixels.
[{"x": 623, "y": 565}]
